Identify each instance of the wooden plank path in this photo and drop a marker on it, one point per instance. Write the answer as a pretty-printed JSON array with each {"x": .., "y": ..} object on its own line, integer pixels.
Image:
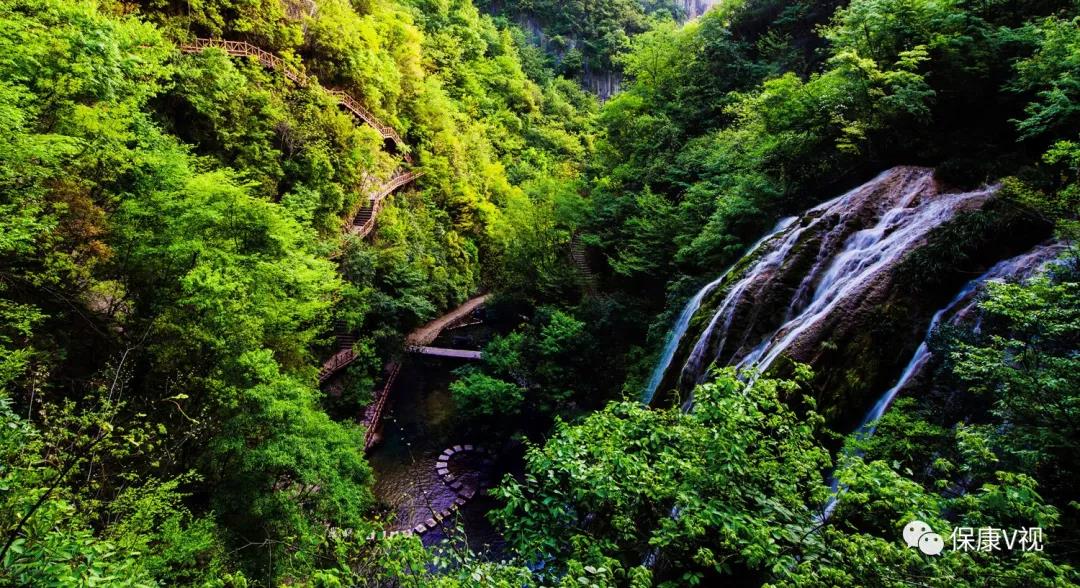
[
  {"x": 586, "y": 277},
  {"x": 373, "y": 412},
  {"x": 420, "y": 337},
  {"x": 362, "y": 221},
  {"x": 426, "y": 334},
  {"x": 416, "y": 342},
  {"x": 271, "y": 61},
  {"x": 445, "y": 352}
]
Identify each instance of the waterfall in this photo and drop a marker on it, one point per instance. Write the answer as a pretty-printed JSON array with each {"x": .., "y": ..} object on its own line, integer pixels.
[
  {"x": 695, "y": 8},
  {"x": 676, "y": 333},
  {"x": 1017, "y": 268},
  {"x": 816, "y": 284},
  {"x": 864, "y": 258},
  {"x": 959, "y": 308},
  {"x": 834, "y": 260}
]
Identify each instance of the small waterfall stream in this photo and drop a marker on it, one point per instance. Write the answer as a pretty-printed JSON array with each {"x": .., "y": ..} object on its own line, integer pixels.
[
  {"x": 959, "y": 308},
  {"x": 676, "y": 333}
]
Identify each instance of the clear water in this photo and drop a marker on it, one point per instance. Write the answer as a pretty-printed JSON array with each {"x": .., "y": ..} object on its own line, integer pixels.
[{"x": 418, "y": 425}]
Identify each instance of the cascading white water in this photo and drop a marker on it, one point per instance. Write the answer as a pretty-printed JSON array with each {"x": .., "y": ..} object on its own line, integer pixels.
[
  {"x": 850, "y": 243},
  {"x": 1017, "y": 268},
  {"x": 692, "y": 367},
  {"x": 838, "y": 256},
  {"x": 674, "y": 336},
  {"x": 868, "y": 254}
]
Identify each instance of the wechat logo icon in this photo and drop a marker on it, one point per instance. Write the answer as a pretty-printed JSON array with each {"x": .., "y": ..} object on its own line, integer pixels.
[{"x": 919, "y": 534}]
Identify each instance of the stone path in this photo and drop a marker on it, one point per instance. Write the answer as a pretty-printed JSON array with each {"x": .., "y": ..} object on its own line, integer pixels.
[{"x": 465, "y": 492}]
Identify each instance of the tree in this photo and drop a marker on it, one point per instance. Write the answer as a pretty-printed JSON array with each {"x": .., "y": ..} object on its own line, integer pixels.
[
  {"x": 718, "y": 490},
  {"x": 478, "y": 396}
]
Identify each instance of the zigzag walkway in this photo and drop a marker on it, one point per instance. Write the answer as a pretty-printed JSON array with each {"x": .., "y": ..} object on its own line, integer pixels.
[
  {"x": 364, "y": 219},
  {"x": 271, "y": 61},
  {"x": 416, "y": 342}
]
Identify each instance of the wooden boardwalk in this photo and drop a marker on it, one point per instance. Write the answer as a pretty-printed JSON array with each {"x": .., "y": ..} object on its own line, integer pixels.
[
  {"x": 426, "y": 334},
  {"x": 444, "y": 352},
  {"x": 416, "y": 342},
  {"x": 586, "y": 277},
  {"x": 271, "y": 61},
  {"x": 363, "y": 220}
]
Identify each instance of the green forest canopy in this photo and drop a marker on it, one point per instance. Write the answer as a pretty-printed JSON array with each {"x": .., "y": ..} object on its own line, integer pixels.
[{"x": 172, "y": 259}]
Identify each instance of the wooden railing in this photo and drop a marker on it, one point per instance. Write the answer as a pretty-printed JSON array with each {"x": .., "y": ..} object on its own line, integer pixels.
[
  {"x": 399, "y": 180},
  {"x": 271, "y": 61},
  {"x": 336, "y": 363},
  {"x": 364, "y": 220},
  {"x": 344, "y": 356},
  {"x": 353, "y": 105},
  {"x": 373, "y": 414}
]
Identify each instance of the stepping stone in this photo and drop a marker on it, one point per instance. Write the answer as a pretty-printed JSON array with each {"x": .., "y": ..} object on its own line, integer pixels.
[
  {"x": 467, "y": 447},
  {"x": 446, "y": 453},
  {"x": 430, "y": 523},
  {"x": 419, "y": 528},
  {"x": 439, "y": 516},
  {"x": 459, "y": 502},
  {"x": 443, "y": 472},
  {"x": 448, "y": 478},
  {"x": 457, "y": 448},
  {"x": 468, "y": 493},
  {"x": 407, "y": 533},
  {"x": 457, "y": 485}
]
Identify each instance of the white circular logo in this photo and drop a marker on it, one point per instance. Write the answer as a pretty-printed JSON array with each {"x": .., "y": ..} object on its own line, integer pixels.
[
  {"x": 913, "y": 531},
  {"x": 931, "y": 543}
]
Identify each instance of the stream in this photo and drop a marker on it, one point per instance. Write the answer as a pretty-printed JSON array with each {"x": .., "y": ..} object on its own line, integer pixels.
[{"x": 418, "y": 426}]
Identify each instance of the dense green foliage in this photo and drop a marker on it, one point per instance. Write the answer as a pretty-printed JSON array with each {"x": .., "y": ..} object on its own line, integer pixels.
[
  {"x": 586, "y": 36},
  {"x": 165, "y": 288},
  {"x": 758, "y": 110},
  {"x": 532, "y": 372},
  {"x": 173, "y": 261},
  {"x": 710, "y": 143}
]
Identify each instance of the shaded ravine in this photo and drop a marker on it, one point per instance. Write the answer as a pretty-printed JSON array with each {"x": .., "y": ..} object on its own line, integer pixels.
[{"x": 419, "y": 427}]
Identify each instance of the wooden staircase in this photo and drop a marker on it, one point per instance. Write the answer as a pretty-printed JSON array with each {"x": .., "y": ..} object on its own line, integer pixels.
[
  {"x": 364, "y": 220},
  {"x": 586, "y": 277},
  {"x": 271, "y": 61}
]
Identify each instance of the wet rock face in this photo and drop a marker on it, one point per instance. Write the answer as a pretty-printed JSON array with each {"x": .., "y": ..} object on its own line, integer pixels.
[{"x": 827, "y": 291}]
